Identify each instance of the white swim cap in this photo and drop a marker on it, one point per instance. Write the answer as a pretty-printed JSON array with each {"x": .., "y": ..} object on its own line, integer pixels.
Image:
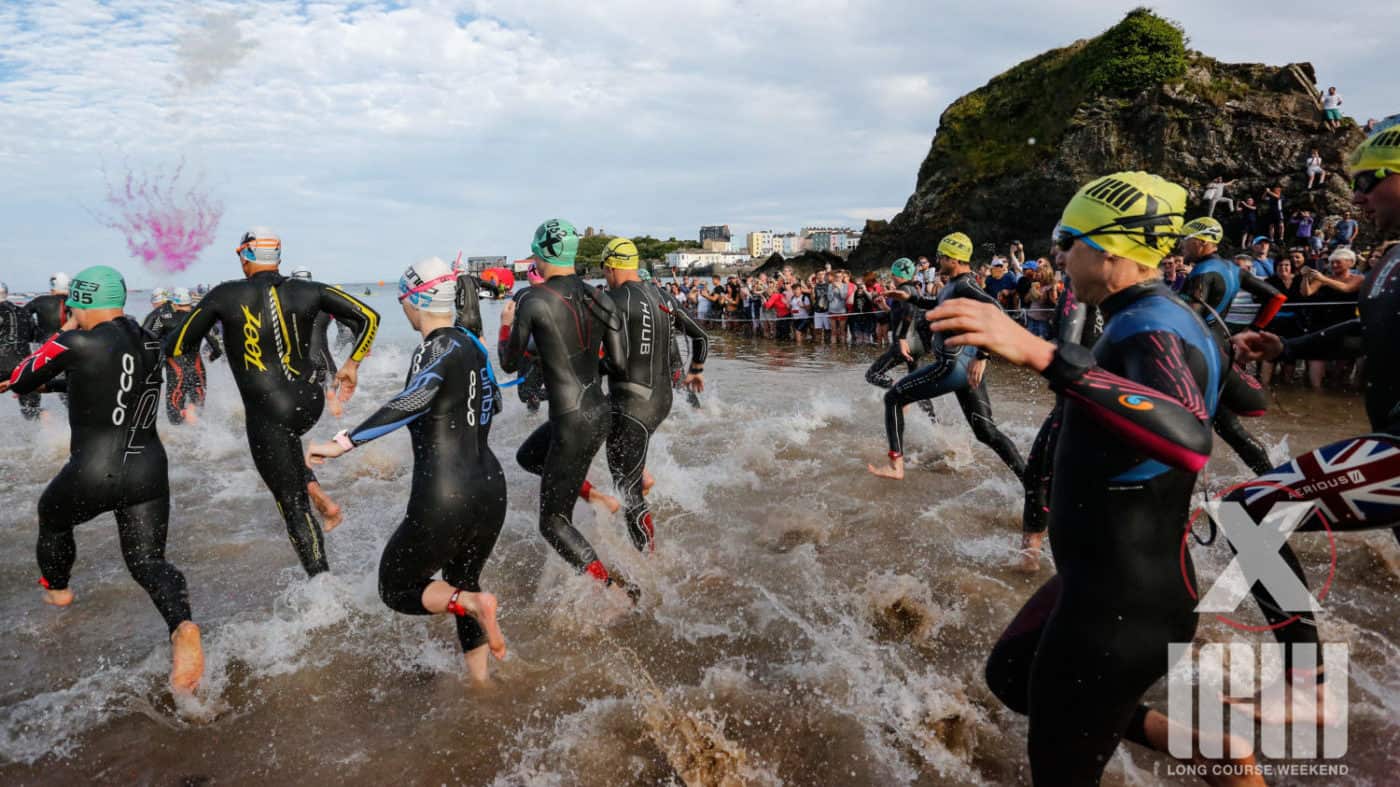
[
  {"x": 429, "y": 285},
  {"x": 180, "y": 296},
  {"x": 59, "y": 281},
  {"x": 260, "y": 246}
]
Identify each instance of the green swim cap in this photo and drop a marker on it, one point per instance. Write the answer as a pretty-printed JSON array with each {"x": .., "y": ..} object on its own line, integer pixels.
[
  {"x": 98, "y": 287},
  {"x": 644, "y": 274},
  {"x": 903, "y": 268},
  {"x": 556, "y": 243}
]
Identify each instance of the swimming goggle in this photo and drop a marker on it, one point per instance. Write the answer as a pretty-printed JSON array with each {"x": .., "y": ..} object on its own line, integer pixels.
[
  {"x": 1129, "y": 225},
  {"x": 405, "y": 291}
]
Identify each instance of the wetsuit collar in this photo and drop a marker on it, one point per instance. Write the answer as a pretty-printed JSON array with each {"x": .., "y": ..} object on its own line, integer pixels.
[
  {"x": 1124, "y": 298},
  {"x": 260, "y": 275}
]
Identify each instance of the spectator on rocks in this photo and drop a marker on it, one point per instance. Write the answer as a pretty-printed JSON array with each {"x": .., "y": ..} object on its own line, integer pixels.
[
  {"x": 1302, "y": 222},
  {"x": 1346, "y": 231},
  {"x": 1332, "y": 108},
  {"x": 1314, "y": 169},
  {"x": 1248, "y": 219},
  {"x": 1273, "y": 206},
  {"x": 1263, "y": 264},
  {"x": 1215, "y": 194},
  {"x": 1318, "y": 242}
]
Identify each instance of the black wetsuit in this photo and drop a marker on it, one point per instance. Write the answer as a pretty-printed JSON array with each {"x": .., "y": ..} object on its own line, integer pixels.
[
  {"x": 185, "y": 377},
  {"x": 641, "y": 394},
  {"x": 116, "y": 461},
  {"x": 571, "y": 324},
  {"x": 1073, "y": 323},
  {"x": 1081, "y": 653},
  {"x": 677, "y": 355},
  {"x": 903, "y": 317},
  {"x": 1211, "y": 289},
  {"x": 267, "y": 321},
  {"x": 323, "y": 366},
  {"x": 48, "y": 313},
  {"x": 469, "y": 303},
  {"x": 531, "y": 388},
  {"x": 16, "y": 331},
  {"x": 458, "y": 500},
  {"x": 948, "y": 374}
]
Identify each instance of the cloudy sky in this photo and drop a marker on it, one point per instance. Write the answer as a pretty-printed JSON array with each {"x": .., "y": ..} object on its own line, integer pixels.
[{"x": 371, "y": 134}]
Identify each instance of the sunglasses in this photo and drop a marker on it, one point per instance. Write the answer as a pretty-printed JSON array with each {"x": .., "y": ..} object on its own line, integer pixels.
[{"x": 1366, "y": 182}]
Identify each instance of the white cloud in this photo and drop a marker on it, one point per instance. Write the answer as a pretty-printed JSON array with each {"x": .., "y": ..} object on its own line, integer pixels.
[{"x": 462, "y": 124}]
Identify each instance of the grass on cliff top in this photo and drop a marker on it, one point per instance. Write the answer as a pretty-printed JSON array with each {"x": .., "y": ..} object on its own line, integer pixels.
[{"x": 988, "y": 132}]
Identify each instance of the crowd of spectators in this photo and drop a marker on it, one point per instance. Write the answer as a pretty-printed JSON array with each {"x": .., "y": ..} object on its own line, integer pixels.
[{"x": 1319, "y": 272}]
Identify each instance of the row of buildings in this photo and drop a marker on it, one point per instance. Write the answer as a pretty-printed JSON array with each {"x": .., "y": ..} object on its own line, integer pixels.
[{"x": 719, "y": 248}]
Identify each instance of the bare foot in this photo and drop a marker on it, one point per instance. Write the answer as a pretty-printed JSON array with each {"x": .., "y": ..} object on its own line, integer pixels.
[
  {"x": 186, "y": 658},
  {"x": 337, "y": 406},
  {"x": 189, "y": 414},
  {"x": 58, "y": 598},
  {"x": 482, "y": 607},
  {"x": 1029, "y": 560},
  {"x": 1227, "y": 771},
  {"x": 895, "y": 472},
  {"x": 330, "y": 510},
  {"x": 1307, "y": 706},
  {"x": 647, "y": 482},
  {"x": 595, "y": 496}
]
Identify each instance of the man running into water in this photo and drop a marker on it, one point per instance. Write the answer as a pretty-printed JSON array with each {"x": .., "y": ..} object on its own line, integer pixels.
[
  {"x": 458, "y": 500},
  {"x": 571, "y": 325},
  {"x": 641, "y": 393},
  {"x": 1082, "y": 652},
  {"x": 185, "y": 379},
  {"x": 905, "y": 344},
  {"x": 678, "y": 375},
  {"x": 111, "y": 369},
  {"x": 16, "y": 331},
  {"x": 955, "y": 370},
  {"x": 267, "y": 321},
  {"x": 531, "y": 388},
  {"x": 1211, "y": 289},
  {"x": 49, "y": 312}
]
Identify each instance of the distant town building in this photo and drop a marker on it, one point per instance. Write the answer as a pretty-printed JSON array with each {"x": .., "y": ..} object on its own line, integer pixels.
[
  {"x": 715, "y": 232},
  {"x": 587, "y": 232},
  {"x": 715, "y": 244},
  {"x": 760, "y": 244},
  {"x": 686, "y": 259},
  {"x": 833, "y": 239},
  {"x": 790, "y": 244},
  {"x": 479, "y": 264}
]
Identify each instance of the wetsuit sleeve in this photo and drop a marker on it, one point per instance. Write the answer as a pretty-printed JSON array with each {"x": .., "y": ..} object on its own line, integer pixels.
[
  {"x": 900, "y": 314},
  {"x": 699, "y": 340},
  {"x": 45, "y": 363},
  {"x": 1072, "y": 320},
  {"x": 1270, "y": 299},
  {"x": 614, "y": 341},
  {"x": 216, "y": 345},
  {"x": 151, "y": 322},
  {"x": 1203, "y": 289},
  {"x": 517, "y": 342},
  {"x": 196, "y": 327},
  {"x": 360, "y": 318},
  {"x": 1156, "y": 407},
  {"x": 1338, "y": 342},
  {"x": 411, "y": 403},
  {"x": 320, "y": 341}
]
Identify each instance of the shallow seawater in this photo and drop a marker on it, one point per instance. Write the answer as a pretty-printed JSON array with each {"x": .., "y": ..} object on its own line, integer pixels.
[{"x": 801, "y": 622}]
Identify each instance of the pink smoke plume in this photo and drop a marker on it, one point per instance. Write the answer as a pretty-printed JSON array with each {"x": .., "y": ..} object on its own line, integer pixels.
[{"x": 166, "y": 226}]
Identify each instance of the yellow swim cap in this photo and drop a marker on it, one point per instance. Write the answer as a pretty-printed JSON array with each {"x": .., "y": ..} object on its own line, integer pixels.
[
  {"x": 1381, "y": 150},
  {"x": 957, "y": 245},
  {"x": 621, "y": 253},
  {"x": 1136, "y": 215},
  {"x": 1205, "y": 228}
]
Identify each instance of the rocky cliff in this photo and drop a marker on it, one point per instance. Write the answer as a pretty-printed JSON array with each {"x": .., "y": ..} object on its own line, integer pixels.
[{"x": 1007, "y": 156}]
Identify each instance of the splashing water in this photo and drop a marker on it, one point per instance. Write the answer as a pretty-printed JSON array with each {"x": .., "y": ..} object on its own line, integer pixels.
[{"x": 166, "y": 225}]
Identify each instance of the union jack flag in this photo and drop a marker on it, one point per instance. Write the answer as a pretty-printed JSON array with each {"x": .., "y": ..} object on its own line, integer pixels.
[{"x": 1354, "y": 484}]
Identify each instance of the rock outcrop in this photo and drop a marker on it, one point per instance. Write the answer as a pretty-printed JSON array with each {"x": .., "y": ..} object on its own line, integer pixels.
[{"x": 1007, "y": 156}]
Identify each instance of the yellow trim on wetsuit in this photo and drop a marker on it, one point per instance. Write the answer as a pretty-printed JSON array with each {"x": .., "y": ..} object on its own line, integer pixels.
[
  {"x": 286, "y": 339},
  {"x": 180, "y": 340},
  {"x": 371, "y": 324}
]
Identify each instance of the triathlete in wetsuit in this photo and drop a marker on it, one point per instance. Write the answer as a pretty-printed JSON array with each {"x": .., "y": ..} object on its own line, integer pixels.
[
  {"x": 49, "y": 312},
  {"x": 531, "y": 388},
  {"x": 678, "y": 363},
  {"x": 906, "y": 345},
  {"x": 16, "y": 331},
  {"x": 116, "y": 462},
  {"x": 185, "y": 378},
  {"x": 951, "y": 371},
  {"x": 1211, "y": 289},
  {"x": 267, "y": 322},
  {"x": 641, "y": 393},
  {"x": 572, "y": 325},
  {"x": 1081, "y": 653},
  {"x": 458, "y": 501}
]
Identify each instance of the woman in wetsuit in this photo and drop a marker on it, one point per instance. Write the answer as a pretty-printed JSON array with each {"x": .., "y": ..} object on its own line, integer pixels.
[
  {"x": 458, "y": 501},
  {"x": 905, "y": 345},
  {"x": 955, "y": 370},
  {"x": 267, "y": 324},
  {"x": 572, "y": 325},
  {"x": 1136, "y": 430},
  {"x": 116, "y": 462}
]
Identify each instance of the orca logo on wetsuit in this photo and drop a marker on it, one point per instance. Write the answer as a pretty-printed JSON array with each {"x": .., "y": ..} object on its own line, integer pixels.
[
  {"x": 252, "y": 349},
  {"x": 1135, "y": 402}
]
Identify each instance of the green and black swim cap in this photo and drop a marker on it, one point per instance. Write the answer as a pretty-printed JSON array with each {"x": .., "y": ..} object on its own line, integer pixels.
[
  {"x": 556, "y": 243},
  {"x": 98, "y": 287},
  {"x": 903, "y": 268}
]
